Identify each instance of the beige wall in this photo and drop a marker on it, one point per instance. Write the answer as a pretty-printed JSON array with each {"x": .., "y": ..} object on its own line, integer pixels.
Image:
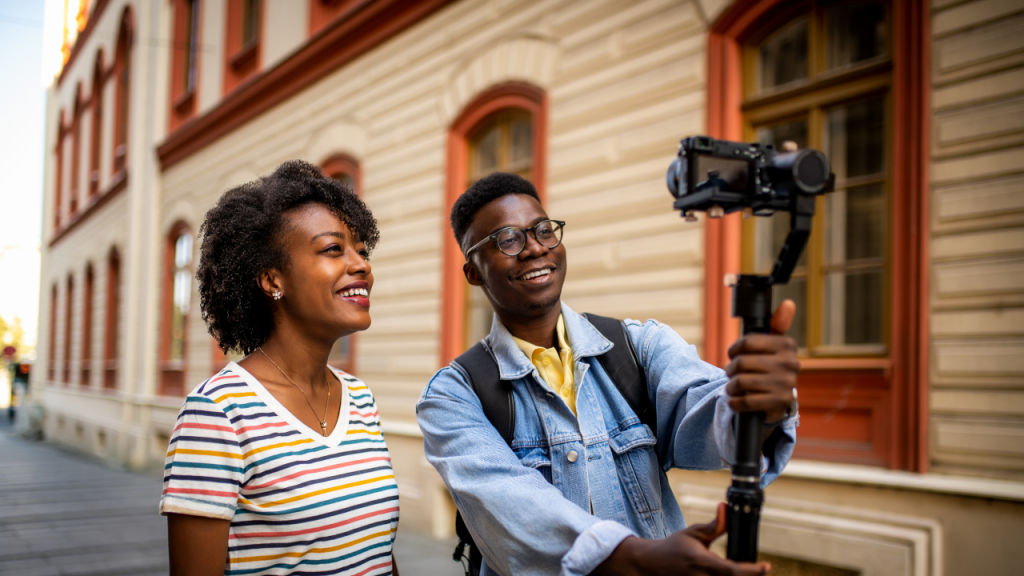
[{"x": 977, "y": 230}]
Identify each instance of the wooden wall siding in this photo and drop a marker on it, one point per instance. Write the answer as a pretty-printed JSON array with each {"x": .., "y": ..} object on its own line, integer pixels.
[
  {"x": 977, "y": 247},
  {"x": 625, "y": 82}
]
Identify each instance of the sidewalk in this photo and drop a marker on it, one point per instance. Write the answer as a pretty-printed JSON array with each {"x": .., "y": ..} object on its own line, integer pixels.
[{"x": 66, "y": 514}]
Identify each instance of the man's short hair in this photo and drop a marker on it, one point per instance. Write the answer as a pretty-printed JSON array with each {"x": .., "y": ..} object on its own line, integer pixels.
[{"x": 482, "y": 192}]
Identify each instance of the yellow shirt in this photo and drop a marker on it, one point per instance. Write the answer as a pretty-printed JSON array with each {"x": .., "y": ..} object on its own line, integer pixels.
[{"x": 555, "y": 369}]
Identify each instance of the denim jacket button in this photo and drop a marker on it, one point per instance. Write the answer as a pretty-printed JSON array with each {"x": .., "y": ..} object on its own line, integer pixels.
[{"x": 572, "y": 456}]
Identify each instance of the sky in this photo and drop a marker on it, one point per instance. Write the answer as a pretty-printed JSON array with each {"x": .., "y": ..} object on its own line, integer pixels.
[{"x": 23, "y": 83}]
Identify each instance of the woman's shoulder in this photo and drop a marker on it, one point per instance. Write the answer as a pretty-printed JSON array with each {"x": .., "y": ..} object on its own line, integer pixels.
[{"x": 224, "y": 386}]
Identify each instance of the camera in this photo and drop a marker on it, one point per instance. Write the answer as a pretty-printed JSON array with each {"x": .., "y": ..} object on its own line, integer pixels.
[{"x": 720, "y": 177}]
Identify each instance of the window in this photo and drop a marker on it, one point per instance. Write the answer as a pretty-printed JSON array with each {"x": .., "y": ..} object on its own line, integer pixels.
[
  {"x": 178, "y": 300},
  {"x": 502, "y": 142},
  {"x": 242, "y": 41},
  {"x": 96, "y": 125},
  {"x": 52, "y": 368},
  {"x": 76, "y": 153},
  {"x": 831, "y": 75},
  {"x": 110, "y": 332},
  {"x": 69, "y": 316},
  {"x": 85, "y": 363},
  {"x": 122, "y": 76},
  {"x": 58, "y": 177},
  {"x": 344, "y": 169},
  {"x": 185, "y": 61},
  {"x": 502, "y": 129}
]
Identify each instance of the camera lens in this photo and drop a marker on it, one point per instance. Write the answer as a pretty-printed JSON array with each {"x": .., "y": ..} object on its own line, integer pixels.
[
  {"x": 675, "y": 178},
  {"x": 810, "y": 171}
]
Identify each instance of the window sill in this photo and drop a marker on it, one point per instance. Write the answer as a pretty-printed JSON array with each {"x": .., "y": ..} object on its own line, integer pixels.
[
  {"x": 874, "y": 476},
  {"x": 245, "y": 58},
  {"x": 884, "y": 364},
  {"x": 118, "y": 183},
  {"x": 184, "y": 104}
]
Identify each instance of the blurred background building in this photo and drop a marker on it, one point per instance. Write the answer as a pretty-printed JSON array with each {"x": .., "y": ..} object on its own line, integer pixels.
[{"x": 911, "y": 294}]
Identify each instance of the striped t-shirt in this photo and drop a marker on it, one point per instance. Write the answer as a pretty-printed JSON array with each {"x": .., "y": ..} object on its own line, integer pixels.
[{"x": 298, "y": 502}]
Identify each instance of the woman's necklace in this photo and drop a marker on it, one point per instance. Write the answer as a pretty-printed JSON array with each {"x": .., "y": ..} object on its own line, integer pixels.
[{"x": 323, "y": 423}]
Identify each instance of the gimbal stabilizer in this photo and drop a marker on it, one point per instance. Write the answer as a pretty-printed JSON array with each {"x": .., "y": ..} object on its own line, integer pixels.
[{"x": 759, "y": 181}]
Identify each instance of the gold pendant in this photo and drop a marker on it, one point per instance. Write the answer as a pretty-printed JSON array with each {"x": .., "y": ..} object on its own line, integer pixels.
[{"x": 323, "y": 428}]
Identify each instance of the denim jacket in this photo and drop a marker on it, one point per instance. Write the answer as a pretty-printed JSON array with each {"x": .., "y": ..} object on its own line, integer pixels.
[{"x": 569, "y": 490}]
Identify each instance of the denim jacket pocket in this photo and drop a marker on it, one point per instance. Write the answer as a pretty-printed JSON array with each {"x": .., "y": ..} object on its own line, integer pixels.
[
  {"x": 637, "y": 465},
  {"x": 537, "y": 458}
]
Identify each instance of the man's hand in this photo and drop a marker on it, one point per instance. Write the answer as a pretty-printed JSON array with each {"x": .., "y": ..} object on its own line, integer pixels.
[
  {"x": 685, "y": 552},
  {"x": 764, "y": 368}
]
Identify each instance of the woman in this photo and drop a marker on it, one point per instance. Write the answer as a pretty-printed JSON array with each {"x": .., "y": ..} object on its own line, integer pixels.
[{"x": 277, "y": 464}]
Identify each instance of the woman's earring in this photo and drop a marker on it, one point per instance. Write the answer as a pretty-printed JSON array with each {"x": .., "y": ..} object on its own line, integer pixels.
[{"x": 277, "y": 294}]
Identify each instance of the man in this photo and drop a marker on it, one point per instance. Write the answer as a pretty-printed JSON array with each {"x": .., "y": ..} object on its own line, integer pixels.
[{"x": 582, "y": 489}]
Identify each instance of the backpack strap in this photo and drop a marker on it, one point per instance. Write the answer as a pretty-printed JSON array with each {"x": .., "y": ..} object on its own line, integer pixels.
[
  {"x": 495, "y": 394},
  {"x": 624, "y": 368}
]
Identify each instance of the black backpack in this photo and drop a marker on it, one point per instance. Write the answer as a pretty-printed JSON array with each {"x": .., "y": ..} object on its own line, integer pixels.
[{"x": 621, "y": 363}]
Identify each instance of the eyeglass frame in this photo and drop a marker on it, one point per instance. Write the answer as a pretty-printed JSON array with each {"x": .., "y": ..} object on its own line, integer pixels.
[{"x": 525, "y": 231}]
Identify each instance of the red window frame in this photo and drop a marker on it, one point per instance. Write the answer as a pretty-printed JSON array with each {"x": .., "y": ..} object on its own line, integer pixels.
[
  {"x": 54, "y": 301},
  {"x": 511, "y": 95},
  {"x": 58, "y": 183},
  {"x": 85, "y": 362},
  {"x": 172, "y": 372},
  {"x": 110, "y": 332},
  {"x": 183, "y": 96},
  {"x": 241, "y": 61},
  {"x": 76, "y": 153},
  {"x": 69, "y": 307},
  {"x": 121, "y": 73},
  {"x": 99, "y": 78},
  {"x": 886, "y": 396}
]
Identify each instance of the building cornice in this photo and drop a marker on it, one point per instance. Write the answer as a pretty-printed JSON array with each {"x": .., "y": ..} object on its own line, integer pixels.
[{"x": 351, "y": 35}]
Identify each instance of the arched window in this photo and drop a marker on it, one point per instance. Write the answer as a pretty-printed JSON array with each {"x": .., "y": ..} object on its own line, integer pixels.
[
  {"x": 96, "y": 125},
  {"x": 122, "y": 76},
  {"x": 69, "y": 317},
  {"x": 839, "y": 77},
  {"x": 58, "y": 177},
  {"x": 75, "y": 178},
  {"x": 85, "y": 362},
  {"x": 54, "y": 302},
  {"x": 185, "y": 61},
  {"x": 110, "y": 332},
  {"x": 177, "y": 303},
  {"x": 503, "y": 129},
  {"x": 344, "y": 169}
]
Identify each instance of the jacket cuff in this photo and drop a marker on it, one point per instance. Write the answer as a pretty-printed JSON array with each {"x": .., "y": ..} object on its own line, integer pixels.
[{"x": 593, "y": 547}]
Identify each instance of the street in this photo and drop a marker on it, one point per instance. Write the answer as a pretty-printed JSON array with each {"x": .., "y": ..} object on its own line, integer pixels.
[{"x": 65, "y": 514}]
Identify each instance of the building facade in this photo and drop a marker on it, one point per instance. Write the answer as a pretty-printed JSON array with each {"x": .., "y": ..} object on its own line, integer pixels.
[{"x": 911, "y": 447}]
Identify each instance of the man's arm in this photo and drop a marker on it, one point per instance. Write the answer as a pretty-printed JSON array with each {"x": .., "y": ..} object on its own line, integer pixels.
[
  {"x": 521, "y": 523},
  {"x": 695, "y": 401}
]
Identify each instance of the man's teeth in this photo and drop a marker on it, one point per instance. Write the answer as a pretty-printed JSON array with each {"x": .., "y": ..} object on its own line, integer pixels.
[
  {"x": 537, "y": 273},
  {"x": 355, "y": 292}
]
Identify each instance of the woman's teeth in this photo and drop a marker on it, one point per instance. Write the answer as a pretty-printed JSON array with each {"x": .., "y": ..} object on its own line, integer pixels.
[
  {"x": 355, "y": 292},
  {"x": 536, "y": 273}
]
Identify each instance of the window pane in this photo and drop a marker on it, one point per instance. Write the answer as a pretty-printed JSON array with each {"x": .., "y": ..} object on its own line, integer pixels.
[
  {"x": 856, "y": 32},
  {"x": 865, "y": 225},
  {"x": 183, "y": 251},
  {"x": 854, "y": 307},
  {"x": 856, "y": 139},
  {"x": 521, "y": 148},
  {"x": 346, "y": 180},
  {"x": 486, "y": 153},
  {"x": 794, "y": 131},
  {"x": 783, "y": 58}
]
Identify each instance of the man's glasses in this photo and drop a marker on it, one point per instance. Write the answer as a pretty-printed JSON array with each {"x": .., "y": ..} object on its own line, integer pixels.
[{"x": 512, "y": 240}]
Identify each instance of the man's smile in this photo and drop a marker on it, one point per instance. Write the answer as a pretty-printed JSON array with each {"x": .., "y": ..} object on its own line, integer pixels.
[{"x": 537, "y": 275}]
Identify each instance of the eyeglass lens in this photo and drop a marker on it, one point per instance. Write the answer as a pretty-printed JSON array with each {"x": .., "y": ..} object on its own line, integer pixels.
[{"x": 511, "y": 241}]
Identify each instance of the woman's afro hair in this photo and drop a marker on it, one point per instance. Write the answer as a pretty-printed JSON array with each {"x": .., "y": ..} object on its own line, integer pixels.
[
  {"x": 240, "y": 239},
  {"x": 482, "y": 192}
]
